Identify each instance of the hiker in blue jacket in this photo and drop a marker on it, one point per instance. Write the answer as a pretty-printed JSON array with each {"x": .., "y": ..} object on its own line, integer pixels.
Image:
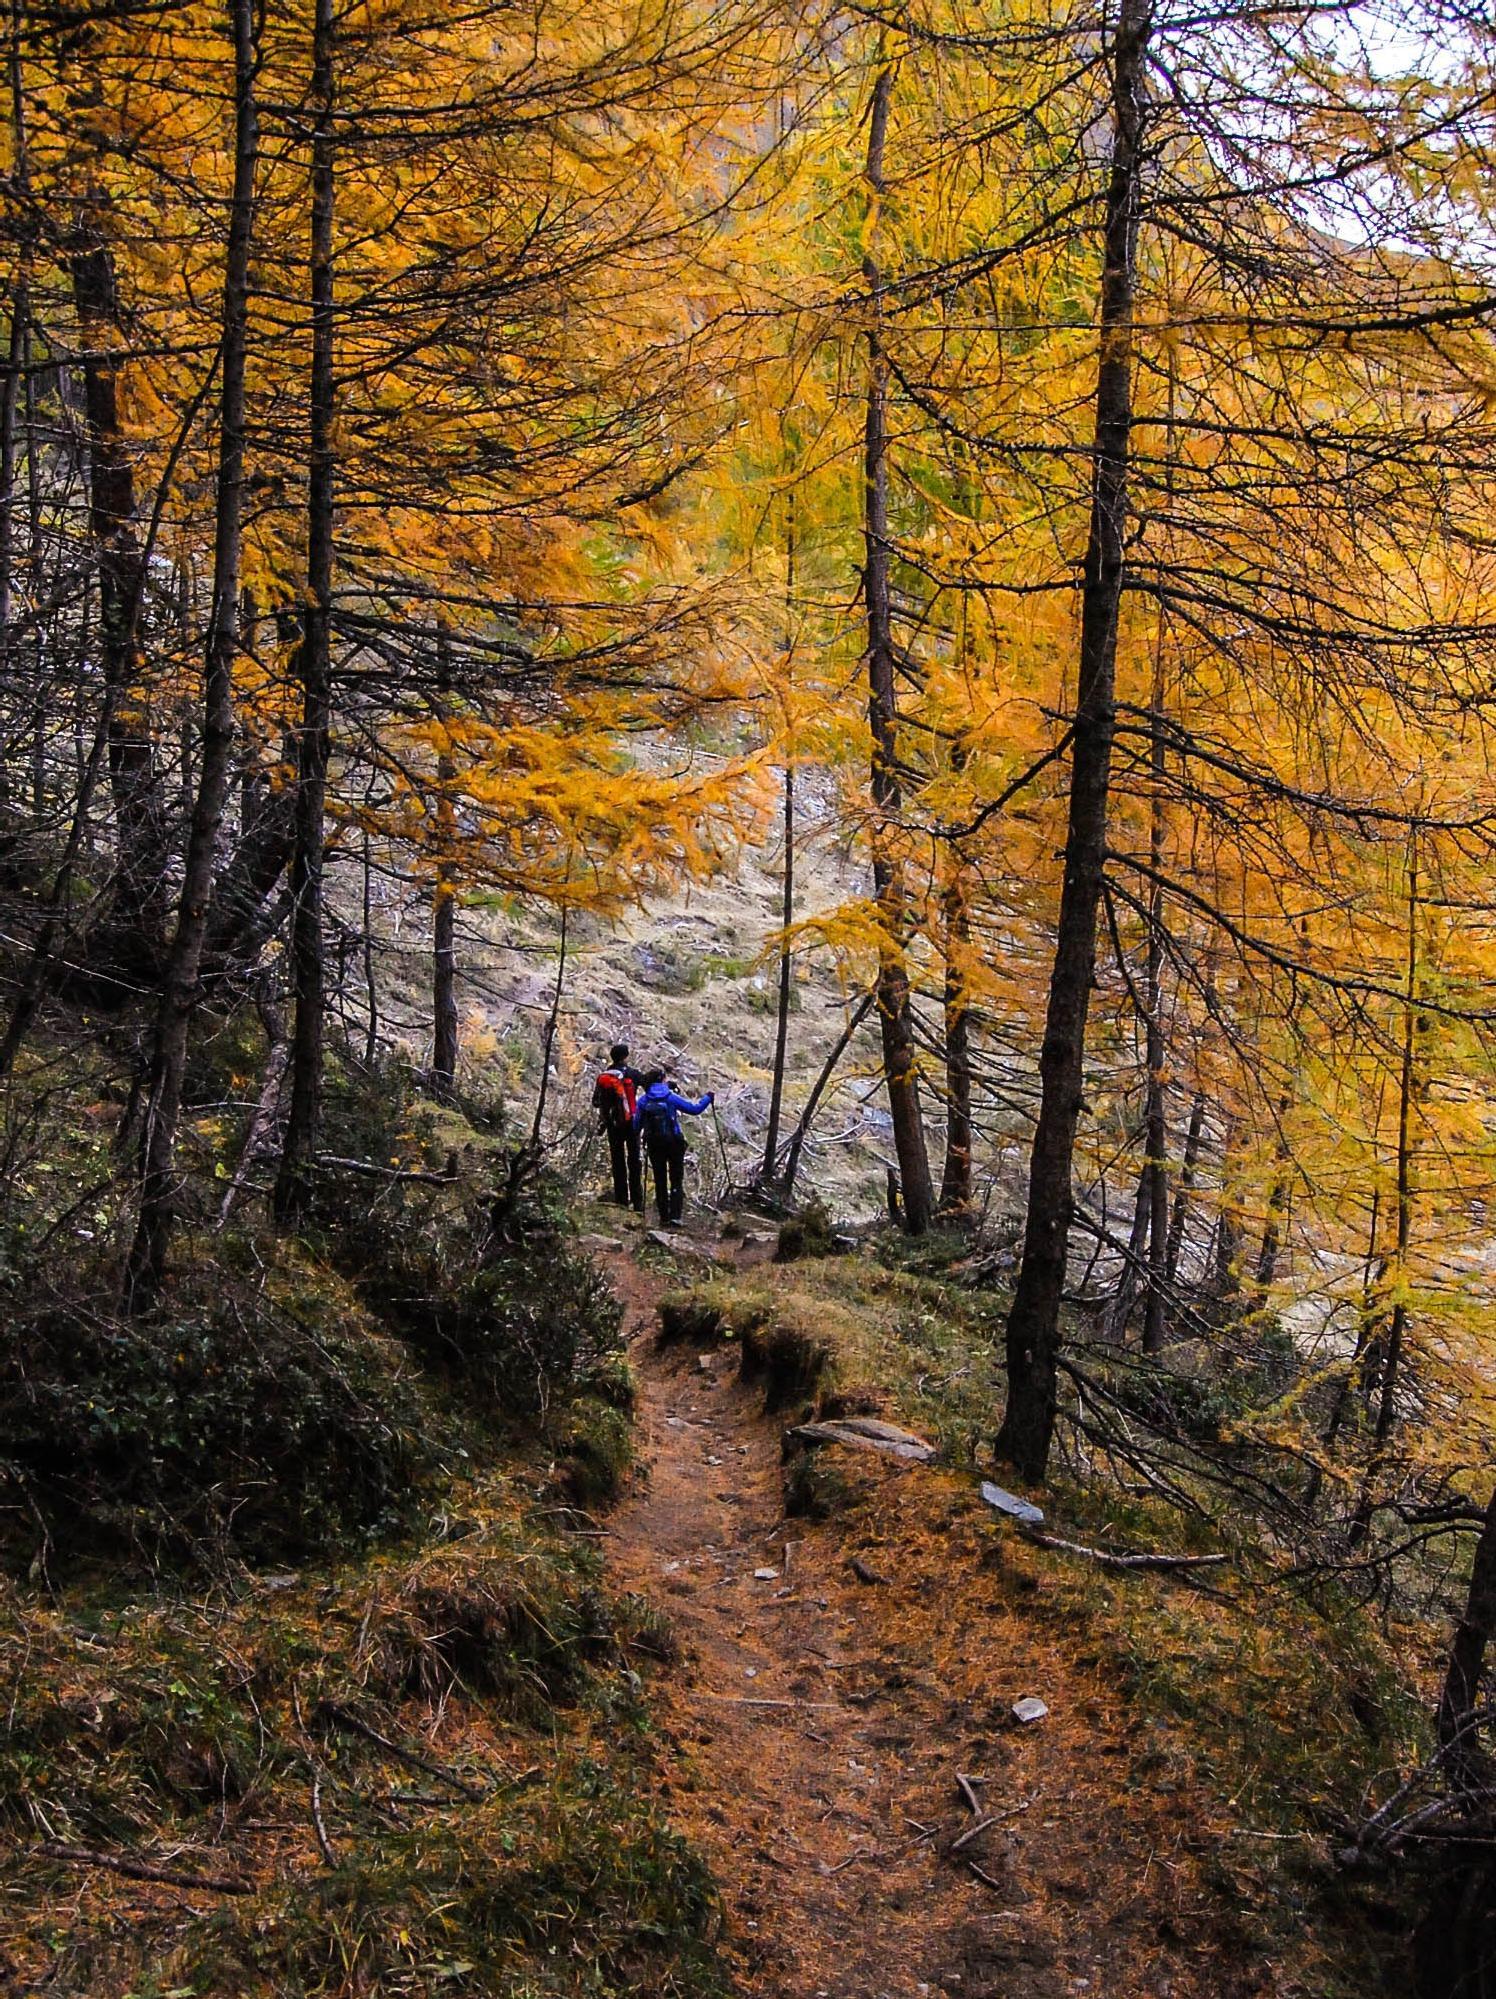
[{"x": 657, "y": 1116}]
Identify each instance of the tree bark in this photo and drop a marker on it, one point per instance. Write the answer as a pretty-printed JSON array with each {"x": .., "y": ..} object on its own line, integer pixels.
[
  {"x": 444, "y": 901},
  {"x": 314, "y": 663},
  {"x": 894, "y": 999},
  {"x": 135, "y": 781},
  {"x": 146, "y": 1266},
  {"x": 1156, "y": 1121},
  {"x": 1033, "y": 1323},
  {"x": 1392, "y": 1352},
  {"x": 1187, "y": 1165},
  {"x": 955, "y": 1179},
  {"x": 1461, "y": 1690},
  {"x": 787, "y": 899}
]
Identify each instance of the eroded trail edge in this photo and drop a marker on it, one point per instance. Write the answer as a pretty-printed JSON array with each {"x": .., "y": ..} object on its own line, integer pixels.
[{"x": 837, "y": 1681}]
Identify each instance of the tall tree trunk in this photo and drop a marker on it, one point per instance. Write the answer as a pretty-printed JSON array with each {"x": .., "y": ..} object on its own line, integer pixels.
[
  {"x": 1225, "y": 1255},
  {"x": 135, "y": 781},
  {"x": 146, "y": 1266},
  {"x": 1391, "y": 1360},
  {"x": 1189, "y": 1160},
  {"x": 787, "y": 900},
  {"x": 1033, "y": 1323},
  {"x": 1119, "y": 1310},
  {"x": 894, "y": 1000},
  {"x": 371, "y": 984},
  {"x": 1156, "y": 1114},
  {"x": 444, "y": 899},
  {"x": 314, "y": 665},
  {"x": 1277, "y": 1210},
  {"x": 1461, "y": 1690},
  {"x": 955, "y": 1180},
  {"x": 10, "y": 405}
]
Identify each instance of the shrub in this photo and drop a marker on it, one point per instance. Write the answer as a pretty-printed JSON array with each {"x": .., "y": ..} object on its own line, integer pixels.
[{"x": 241, "y": 1425}]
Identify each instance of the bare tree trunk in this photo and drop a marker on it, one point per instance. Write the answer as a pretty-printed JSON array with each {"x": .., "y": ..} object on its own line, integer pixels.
[
  {"x": 371, "y": 987},
  {"x": 1156, "y": 1115},
  {"x": 1033, "y": 1323},
  {"x": 134, "y": 778},
  {"x": 894, "y": 1000},
  {"x": 828, "y": 1068},
  {"x": 549, "y": 1043},
  {"x": 444, "y": 900},
  {"x": 787, "y": 903},
  {"x": 1187, "y": 1165},
  {"x": 1225, "y": 1259},
  {"x": 1391, "y": 1366},
  {"x": 1119, "y": 1311},
  {"x": 314, "y": 660},
  {"x": 146, "y": 1266},
  {"x": 10, "y": 402},
  {"x": 1460, "y": 1694},
  {"x": 1277, "y": 1209},
  {"x": 955, "y": 1180}
]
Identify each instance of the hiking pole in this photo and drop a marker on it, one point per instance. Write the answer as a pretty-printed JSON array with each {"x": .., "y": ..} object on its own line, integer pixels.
[{"x": 722, "y": 1147}]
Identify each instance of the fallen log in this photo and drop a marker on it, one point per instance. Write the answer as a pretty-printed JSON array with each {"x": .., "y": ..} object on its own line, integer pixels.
[
  {"x": 1110, "y": 1561},
  {"x": 144, "y": 1870},
  {"x": 867, "y": 1433}
]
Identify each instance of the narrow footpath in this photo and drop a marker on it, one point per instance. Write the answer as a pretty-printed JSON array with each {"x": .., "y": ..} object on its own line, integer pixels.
[{"x": 838, "y": 1682}]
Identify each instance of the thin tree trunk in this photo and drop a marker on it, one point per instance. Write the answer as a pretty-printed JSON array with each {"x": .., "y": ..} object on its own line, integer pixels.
[
  {"x": 1225, "y": 1260},
  {"x": 1277, "y": 1209},
  {"x": 134, "y": 778},
  {"x": 314, "y": 661},
  {"x": 1119, "y": 1311},
  {"x": 10, "y": 401},
  {"x": 787, "y": 901},
  {"x": 444, "y": 900},
  {"x": 1033, "y": 1323},
  {"x": 1156, "y": 1114},
  {"x": 371, "y": 988},
  {"x": 1371, "y": 1276},
  {"x": 955, "y": 1180},
  {"x": 828, "y": 1068},
  {"x": 894, "y": 1000},
  {"x": 1187, "y": 1165},
  {"x": 549, "y": 1043},
  {"x": 1391, "y": 1368},
  {"x": 146, "y": 1266},
  {"x": 1461, "y": 1690},
  {"x": 42, "y": 696}
]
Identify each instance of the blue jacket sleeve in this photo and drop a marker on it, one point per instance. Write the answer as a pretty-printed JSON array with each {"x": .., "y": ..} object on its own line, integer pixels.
[{"x": 685, "y": 1104}]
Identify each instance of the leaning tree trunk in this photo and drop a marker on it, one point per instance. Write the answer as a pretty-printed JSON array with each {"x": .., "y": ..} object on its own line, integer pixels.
[
  {"x": 1033, "y": 1322},
  {"x": 314, "y": 664},
  {"x": 894, "y": 1000},
  {"x": 146, "y": 1266}
]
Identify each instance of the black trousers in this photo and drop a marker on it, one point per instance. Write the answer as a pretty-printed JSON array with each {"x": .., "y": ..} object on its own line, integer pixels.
[
  {"x": 628, "y": 1170},
  {"x": 667, "y": 1157}
]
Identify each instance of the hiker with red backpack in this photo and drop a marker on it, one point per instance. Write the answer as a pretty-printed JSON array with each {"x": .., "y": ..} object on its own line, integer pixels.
[
  {"x": 614, "y": 1097},
  {"x": 657, "y": 1118}
]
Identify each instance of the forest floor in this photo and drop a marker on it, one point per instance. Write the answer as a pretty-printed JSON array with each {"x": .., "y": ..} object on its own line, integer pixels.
[{"x": 836, "y": 1679}]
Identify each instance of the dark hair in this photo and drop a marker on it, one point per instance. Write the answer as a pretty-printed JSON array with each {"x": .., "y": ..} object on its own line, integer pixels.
[
  {"x": 619, "y": 1052},
  {"x": 653, "y": 1076}
]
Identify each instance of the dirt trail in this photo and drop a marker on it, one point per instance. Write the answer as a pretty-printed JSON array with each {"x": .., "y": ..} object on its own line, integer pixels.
[{"x": 817, "y": 1723}]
